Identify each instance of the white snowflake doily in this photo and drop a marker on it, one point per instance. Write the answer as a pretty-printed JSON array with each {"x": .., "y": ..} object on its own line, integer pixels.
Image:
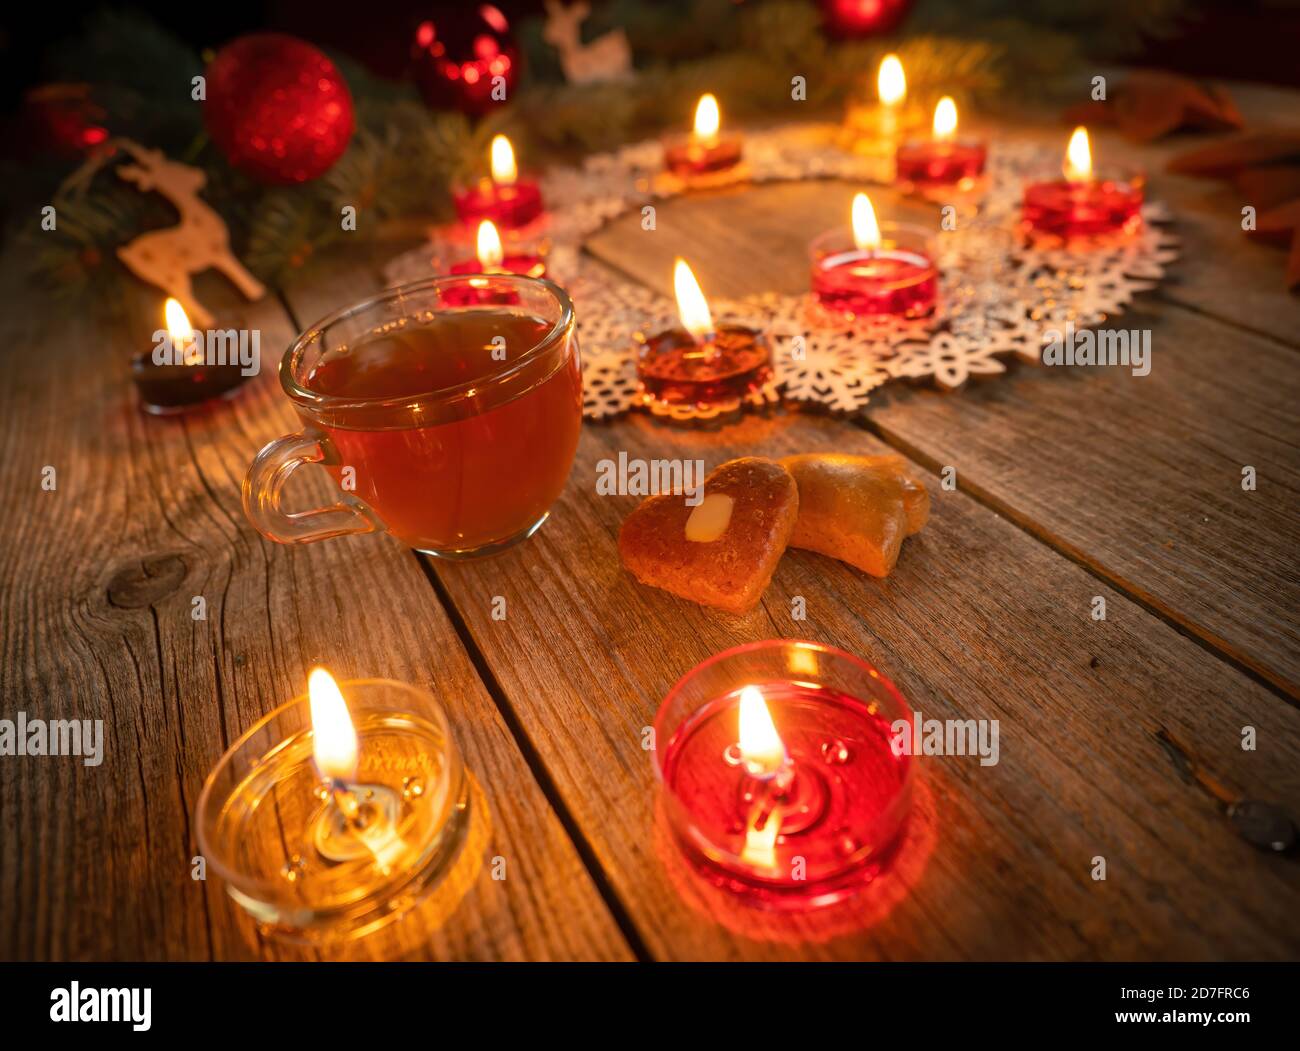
[{"x": 999, "y": 294}]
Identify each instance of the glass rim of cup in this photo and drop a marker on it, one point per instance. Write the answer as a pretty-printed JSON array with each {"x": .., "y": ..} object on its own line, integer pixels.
[{"x": 309, "y": 398}]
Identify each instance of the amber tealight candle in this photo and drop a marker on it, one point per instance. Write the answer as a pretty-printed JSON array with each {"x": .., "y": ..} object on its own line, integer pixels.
[
  {"x": 339, "y": 811},
  {"x": 706, "y": 150},
  {"x": 701, "y": 365},
  {"x": 876, "y": 129},
  {"x": 1083, "y": 203}
]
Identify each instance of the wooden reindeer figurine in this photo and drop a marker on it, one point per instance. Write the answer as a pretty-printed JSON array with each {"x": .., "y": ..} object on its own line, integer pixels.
[
  {"x": 608, "y": 57},
  {"x": 167, "y": 258}
]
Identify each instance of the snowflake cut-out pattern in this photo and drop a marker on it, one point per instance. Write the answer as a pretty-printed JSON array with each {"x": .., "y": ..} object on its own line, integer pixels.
[{"x": 1000, "y": 293}]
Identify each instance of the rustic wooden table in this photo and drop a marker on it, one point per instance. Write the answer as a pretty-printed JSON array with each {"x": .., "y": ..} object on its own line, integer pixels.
[{"x": 1072, "y": 484}]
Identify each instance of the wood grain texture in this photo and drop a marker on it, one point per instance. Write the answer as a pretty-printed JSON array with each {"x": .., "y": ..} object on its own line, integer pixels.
[
  {"x": 979, "y": 620},
  {"x": 96, "y": 583},
  {"x": 1139, "y": 478}
]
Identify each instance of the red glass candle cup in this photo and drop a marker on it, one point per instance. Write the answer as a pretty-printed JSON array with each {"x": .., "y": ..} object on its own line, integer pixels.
[
  {"x": 720, "y": 371},
  {"x": 452, "y": 427},
  {"x": 828, "y": 819},
  {"x": 525, "y": 262},
  {"x": 929, "y": 164},
  {"x": 1109, "y": 203},
  {"x": 689, "y": 156},
  {"x": 510, "y": 205},
  {"x": 899, "y": 278}
]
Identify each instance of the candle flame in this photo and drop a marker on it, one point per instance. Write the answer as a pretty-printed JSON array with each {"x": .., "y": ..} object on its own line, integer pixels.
[
  {"x": 178, "y": 324},
  {"x": 504, "y": 171},
  {"x": 891, "y": 84},
  {"x": 1078, "y": 157},
  {"x": 760, "y": 746},
  {"x": 945, "y": 120},
  {"x": 490, "y": 253},
  {"x": 692, "y": 307},
  {"x": 707, "y": 118},
  {"x": 866, "y": 231},
  {"x": 334, "y": 741}
]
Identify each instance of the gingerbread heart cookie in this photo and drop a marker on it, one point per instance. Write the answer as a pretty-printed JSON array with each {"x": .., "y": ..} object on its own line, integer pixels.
[
  {"x": 857, "y": 508},
  {"x": 724, "y": 551}
]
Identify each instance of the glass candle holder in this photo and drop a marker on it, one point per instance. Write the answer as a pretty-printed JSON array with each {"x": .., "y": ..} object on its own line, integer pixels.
[
  {"x": 171, "y": 388},
  {"x": 717, "y": 372},
  {"x": 898, "y": 278},
  {"x": 928, "y": 164},
  {"x": 1106, "y": 204},
  {"x": 269, "y": 825},
  {"x": 689, "y": 156},
  {"x": 523, "y": 259},
  {"x": 813, "y": 809}
]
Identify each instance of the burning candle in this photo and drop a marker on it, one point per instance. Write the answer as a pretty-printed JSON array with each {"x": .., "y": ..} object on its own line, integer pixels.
[
  {"x": 180, "y": 371},
  {"x": 1083, "y": 203},
  {"x": 874, "y": 269},
  {"x": 875, "y": 128},
  {"x": 941, "y": 160},
  {"x": 779, "y": 776},
  {"x": 337, "y": 812},
  {"x": 509, "y": 200},
  {"x": 701, "y": 365},
  {"x": 490, "y": 257},
  {"x": 706, "y": 150},
  {"x": 891, "y": 90}
]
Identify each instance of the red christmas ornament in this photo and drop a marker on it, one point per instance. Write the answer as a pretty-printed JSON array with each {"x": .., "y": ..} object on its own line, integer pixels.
[
  {"x": 61, "y": 118},
  {"x": 277, "y": 108},
  {"x": 849, "y": 19},
  {"x": 461, "y": 58}
]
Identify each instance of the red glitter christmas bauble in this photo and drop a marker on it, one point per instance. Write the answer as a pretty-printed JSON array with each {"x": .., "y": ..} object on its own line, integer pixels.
[
  {"x": 463, "y": 57},
  {"x": 851, "y": 19},
  {"x": 277, "y": 108}
]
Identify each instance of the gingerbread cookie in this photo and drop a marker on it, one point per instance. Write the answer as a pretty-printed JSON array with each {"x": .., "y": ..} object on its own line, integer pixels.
[
  {"x": 724, "y": 551},
  {"x": 857, "y": 508}
]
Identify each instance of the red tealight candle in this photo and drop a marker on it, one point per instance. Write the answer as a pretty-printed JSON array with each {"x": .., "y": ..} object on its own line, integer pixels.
[
  {"x": 705, "y": 150},
  {"x": 942, "y": 160},
  {"x": 701, "y": 366},
  {"x": 779, "y": 773},
  {"x": 507, "y": 199},
  {"x": 490, "y": 258},
  {"x": 1083, "y": 204},
  {"x": 878, "y": 271}
]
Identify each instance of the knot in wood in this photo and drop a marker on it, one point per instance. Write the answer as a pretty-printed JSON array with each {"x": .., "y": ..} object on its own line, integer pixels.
[{"x": 144, "y": 581}]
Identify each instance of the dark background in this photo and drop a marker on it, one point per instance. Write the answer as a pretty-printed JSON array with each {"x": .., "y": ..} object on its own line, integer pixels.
[{"x": 1246, "y": 39}]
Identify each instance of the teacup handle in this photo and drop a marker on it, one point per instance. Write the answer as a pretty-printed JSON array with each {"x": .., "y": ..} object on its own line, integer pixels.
[{"x": 265, "y": 482}]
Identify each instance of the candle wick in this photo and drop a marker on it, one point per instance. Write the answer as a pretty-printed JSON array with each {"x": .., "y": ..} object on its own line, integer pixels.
[{"x": 345, "y": 800}]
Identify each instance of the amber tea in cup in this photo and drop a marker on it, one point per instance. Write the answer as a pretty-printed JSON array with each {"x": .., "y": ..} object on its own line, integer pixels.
[{"x": 451, "y": 426}]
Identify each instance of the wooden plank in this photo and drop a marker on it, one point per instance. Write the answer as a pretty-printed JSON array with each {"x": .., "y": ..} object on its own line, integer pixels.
[
  {"x": 1139, "y": 478},
  {"x": 978, "y": 621},
  {"x": 96, "y": 581}
]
